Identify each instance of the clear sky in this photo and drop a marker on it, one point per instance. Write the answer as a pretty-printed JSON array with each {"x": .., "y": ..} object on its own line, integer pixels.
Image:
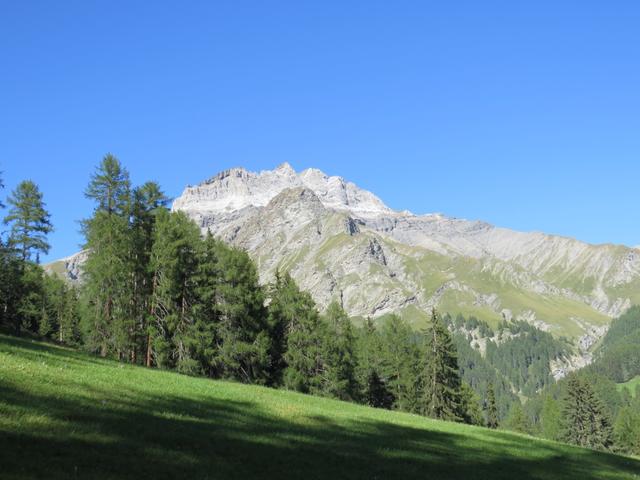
[{"x": 523, "y": 114}]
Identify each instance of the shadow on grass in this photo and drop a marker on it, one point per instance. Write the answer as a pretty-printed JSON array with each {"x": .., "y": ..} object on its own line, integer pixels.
[{"x": 136, "y": 435}]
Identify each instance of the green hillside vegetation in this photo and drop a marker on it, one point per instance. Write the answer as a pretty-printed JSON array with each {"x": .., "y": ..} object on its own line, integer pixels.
[
  {"x": 631, "y": 386},
  {"x": 64, "y": 414},
  {"x": 614, "y": 377}
]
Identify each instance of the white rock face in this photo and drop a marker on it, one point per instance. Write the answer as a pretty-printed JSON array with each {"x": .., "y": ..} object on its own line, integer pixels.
[{"x": 237, "y": 188}]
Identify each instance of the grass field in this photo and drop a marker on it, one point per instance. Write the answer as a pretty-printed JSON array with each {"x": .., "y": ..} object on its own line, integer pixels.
[
  {"x": 631, "y": 385},
  {"x": 67, "y": 415}
]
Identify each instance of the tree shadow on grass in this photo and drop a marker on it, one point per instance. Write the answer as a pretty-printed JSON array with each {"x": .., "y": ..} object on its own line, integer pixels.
[{"x": 134, "y": 434}]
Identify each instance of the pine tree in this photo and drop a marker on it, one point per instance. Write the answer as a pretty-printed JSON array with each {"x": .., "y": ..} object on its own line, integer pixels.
[
  {"x": 108, "y": 321},
  {"x": 242, "y": 333},
  {"x": 147, "y": 201},
  {"x": 110, "y": 187},
  {"x": 29, "y": 220},
  {"x": 517, "y": 420},
  {"x": 492, "y": 409},
  {"x": 586, "y": 421},
  {"x": 470, "y": 409},
  {"x": 174, "y": 260},
  {"x": 400, "y": 353},
  {"x": 369, "y": 365},
  {"x": 296, "y": 332},
  {"x": 550, "y": 418},
  {"x": 627, "y": 430},
  {"x": 339, "y": 357},
  {"x": 442, "y": 384}
]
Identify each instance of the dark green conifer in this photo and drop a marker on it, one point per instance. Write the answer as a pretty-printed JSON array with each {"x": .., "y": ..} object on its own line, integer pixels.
[
  {"x": 586, "y": 422},
  {"x": 339, "y": 356},
  {"x": 442, "y": 384},
  {"x": 29, "y": 221},
  {"x": 491, "y": 407}
]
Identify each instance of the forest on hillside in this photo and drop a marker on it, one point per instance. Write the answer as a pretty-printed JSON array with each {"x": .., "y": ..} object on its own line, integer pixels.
[{"x": 155, "y": 292}]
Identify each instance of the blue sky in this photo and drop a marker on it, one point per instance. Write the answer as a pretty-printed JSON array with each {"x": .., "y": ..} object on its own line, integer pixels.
[{"x": 523, "y": 114}]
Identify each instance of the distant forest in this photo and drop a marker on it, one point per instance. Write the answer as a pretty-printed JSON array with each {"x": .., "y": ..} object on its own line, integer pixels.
[{"x": 156, "y": 292}]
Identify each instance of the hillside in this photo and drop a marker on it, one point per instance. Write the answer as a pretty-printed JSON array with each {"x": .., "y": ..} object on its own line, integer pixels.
[{"x": 67, "y": 415}]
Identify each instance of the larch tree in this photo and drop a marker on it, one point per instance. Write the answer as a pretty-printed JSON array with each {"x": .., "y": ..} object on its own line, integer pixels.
[
  {"x": 491, "y": 407},
  {"x": 441, "y": 378},
  {"x": 29, "y": 221},
  {"x": 174, "y": 260},
  {"x": 243, "y": 341},
  {"x": 108, "y": 272},
  {"x": 339, "y": 355},
  {"x": 400, "y": 352}
]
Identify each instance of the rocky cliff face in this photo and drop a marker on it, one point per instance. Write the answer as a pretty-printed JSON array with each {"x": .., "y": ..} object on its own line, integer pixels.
[{"x": 340, "y": 241}]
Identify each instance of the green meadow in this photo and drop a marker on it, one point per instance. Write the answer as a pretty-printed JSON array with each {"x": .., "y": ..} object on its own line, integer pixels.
[{"x": 64, "y": 414}]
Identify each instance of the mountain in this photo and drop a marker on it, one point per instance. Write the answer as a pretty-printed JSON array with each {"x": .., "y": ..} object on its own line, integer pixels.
[{"x": 342, "y": 242}]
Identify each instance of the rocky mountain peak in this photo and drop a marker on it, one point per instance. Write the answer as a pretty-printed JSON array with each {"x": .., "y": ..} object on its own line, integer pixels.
[{"x": 238, "y": 188}]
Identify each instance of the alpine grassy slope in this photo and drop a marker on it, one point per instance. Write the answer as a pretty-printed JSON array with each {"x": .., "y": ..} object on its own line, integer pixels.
[{"x": 64, "y": 414}]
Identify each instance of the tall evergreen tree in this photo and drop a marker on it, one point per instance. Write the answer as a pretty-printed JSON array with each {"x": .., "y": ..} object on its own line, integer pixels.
[
  {"x": 110, "y": 187},
  {"x": 586, "y": 422},
  {"x": 29, "y": 221},
  {"x": 551, "y": 418},
  {"x": 517, "y": 420},
  {"x": 296, "y": 333},
  {"x": 339, "y": 356},
  {"x": 627, "y": 429},
  {"x": 242, "y": 334},
  {"x": 108, "y": 271},
  {"x": 400, "y": 352},
  {"x": 369, "y": 367},
  {"x": 174, "y": 260},
  {"x": 147, "y": 200},
  {"x": 442, "y": 384},
  {"x": 491, "y": 407}
]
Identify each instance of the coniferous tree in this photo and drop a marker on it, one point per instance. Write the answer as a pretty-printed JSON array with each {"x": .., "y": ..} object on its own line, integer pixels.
[
  {"x": 491, "y": 407},
  {"x": 470, "y": 409},
  {"x": 174, "y": 260},
  {"x": 442, "y": 384},
  {"x": 551, "y": 418},
  {"x": 517, "y": 420},
  {"x": 110, "y": 187},
  {"x": 146, "y": 202},
  {"x": 108, "y": 271},
  {"x": 586, "y": 421},
  {"x": 369, "y": 367},
  {"x": 296, "y": 333},
  {"x": 627, "y": 429},
  {"x": 339, "y": 356},
  {"x": 29, "y": 221},
  {"x": 400, "y": 354},
  {"x": 242, "y": 334}
]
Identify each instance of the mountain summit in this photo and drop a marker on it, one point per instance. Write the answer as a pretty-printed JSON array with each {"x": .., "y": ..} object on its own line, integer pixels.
[{"x": 238, "y": 188}]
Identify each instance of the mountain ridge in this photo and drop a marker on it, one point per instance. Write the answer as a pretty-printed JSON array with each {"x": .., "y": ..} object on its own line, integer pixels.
[{"x": 342, "y": 242}]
